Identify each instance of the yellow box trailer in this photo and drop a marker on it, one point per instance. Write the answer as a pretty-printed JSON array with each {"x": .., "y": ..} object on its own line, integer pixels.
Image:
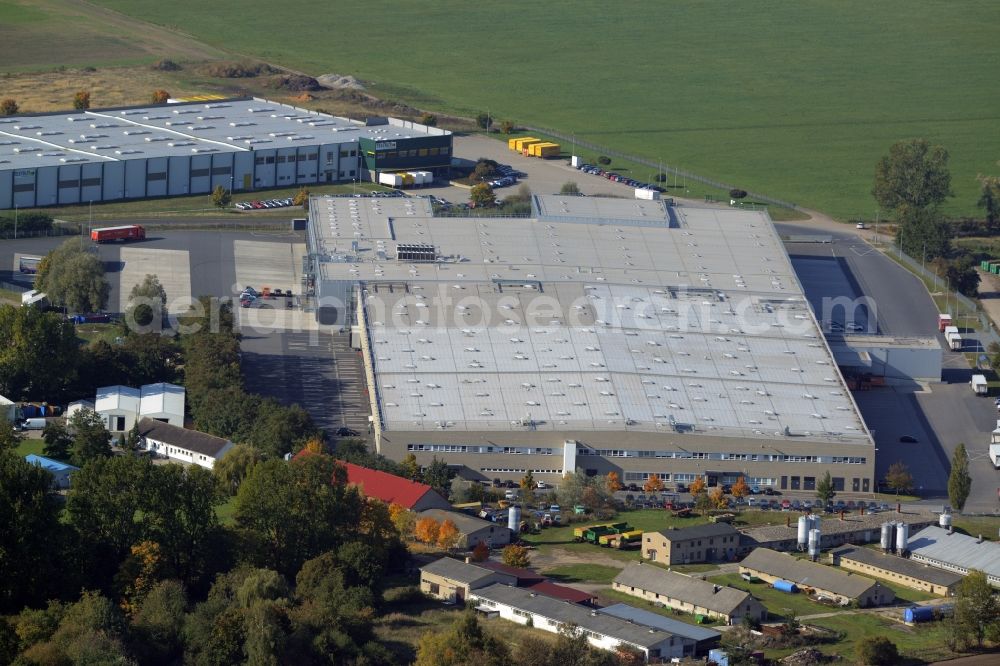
[
  {"x": 524, "y": 141},
  {"x": 512, "y": 143},
  {"x": 540, "y": 149}
]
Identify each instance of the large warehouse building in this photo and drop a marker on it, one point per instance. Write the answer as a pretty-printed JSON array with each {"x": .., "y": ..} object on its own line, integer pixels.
[
  {"x": 600, "y": 334},
  {"x": 190, "y": 148}
]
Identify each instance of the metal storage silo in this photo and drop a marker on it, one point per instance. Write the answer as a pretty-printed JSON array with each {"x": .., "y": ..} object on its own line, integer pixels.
[
  {"x": 888, "y": 530},
  {"x": 902, "y": 537},
  {"x": 514, "y": 518},
  {"x": 814, "y": 541},
  {"x": 803, "y": 533},
  {"x": 944, "y": 520},
  {"x": 814, "y": 521}
]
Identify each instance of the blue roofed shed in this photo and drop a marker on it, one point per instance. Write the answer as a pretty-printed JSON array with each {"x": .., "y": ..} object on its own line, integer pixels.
[{"x": 60, "y": 471}]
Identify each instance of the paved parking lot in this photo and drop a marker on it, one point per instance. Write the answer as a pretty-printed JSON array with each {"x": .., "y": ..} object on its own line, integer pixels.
[
  {"x": 269, "y": 264},
  {"x": 318, "y": 371},
  {"x": 172, "y": 267}
]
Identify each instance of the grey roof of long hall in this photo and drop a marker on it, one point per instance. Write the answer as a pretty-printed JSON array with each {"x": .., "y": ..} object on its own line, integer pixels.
[
  {"x": 651, "y": 578},
  {"x": 899, "y": 565},
  {"x": 700, "y": 531},
  {"x": 966, "y": 552},
  {"x": 570, "y": 613},
  {"x": 232, "y": 125},
  {"x": 463, "y": 572},
  {"x": 651, "y": 619},
  {"x": 804, "y": 572},
  {"x": 576, "y": 326}
]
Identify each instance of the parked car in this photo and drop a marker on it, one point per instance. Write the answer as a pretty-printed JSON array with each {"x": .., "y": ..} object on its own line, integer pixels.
[
  {"x": 908, "y": 439},
  {"x": 633, "y": 488},
  {"x": 510, "y": 495},
  {"x": 786, "y": 505},
  {"x": 346, "y": 432},
  {"x": 541, "y": 485},
  {"x": 768, "y": 490}
]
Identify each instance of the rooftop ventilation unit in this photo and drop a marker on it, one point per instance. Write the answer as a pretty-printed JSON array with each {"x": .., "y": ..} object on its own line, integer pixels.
[
  {"x": 416, "y": 252},
  {"x": 127, "y": 152},
  {"x": 180, "y": 112},
  {"x": 135, "y": 132},
  {"x": 72, "y": 159}
]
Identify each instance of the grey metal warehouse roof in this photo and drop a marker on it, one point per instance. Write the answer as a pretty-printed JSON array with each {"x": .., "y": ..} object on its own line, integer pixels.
[
  {"x": 465, "y": 523},
  {"x": 935, "y": 544},
  {"x": 452, "y": 569},
  {"x": 898, "y": 565},
  {"x": 651, "y": 578},
  {"x": 28, "y": 141},
  {"x": 574, "y": 326},
  {"x": 651, "y": 619},
  {"x": 700, "y": 531},
  {"x": 806, "y": 573},
  {"x": 570, "y": 613}
]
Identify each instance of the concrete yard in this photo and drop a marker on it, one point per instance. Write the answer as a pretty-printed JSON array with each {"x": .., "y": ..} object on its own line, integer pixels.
[
  {"x": 172, "y": 267},
  {"x": 268, "y": 264}
]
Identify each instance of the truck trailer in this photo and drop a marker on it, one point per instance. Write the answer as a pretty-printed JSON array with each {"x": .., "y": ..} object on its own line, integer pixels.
[
  {"x": 979, "y": 385},
  {"x": 995, "y": 446},
  {"x": 955, "y": 341},
  {"x": 944, "y": 320},
  {"x": 121, "y": 234}
]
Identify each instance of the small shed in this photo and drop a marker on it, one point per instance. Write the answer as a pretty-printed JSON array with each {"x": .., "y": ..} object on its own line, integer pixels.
[
  {"x": 61, "y": 472},
  {"x": 78, "y": 405},
  {"x": 163, "y": 402},
  {"x": 118, "y": 406}
]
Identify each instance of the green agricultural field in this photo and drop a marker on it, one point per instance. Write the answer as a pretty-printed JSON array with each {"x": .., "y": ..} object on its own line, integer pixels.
[{"x": 796, "y": 99}]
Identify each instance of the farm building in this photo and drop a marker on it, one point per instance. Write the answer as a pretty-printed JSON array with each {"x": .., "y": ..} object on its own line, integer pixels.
[
  {"x": 896, "y": 569},
  {"x": 61, "y": 472},
  {"x": 118, "y": 406},
  {"x": 472, "y": 531},
  {"x": 606, "y": 632},
  {"x": 181, "y": 444},
  {"x": 691, "y": 595},
  {"x": 948, "y": 550},
  {"x": 824, "y": 581},
  {"x": 452, "y": 580},
  {"x": 695, "y": 641},
  {"x": 599, "y": 334},
  {"x": 700, "y": 543},
  {"x": 8, "y": 410},
  {"x": 162, "y": 402},
  {"x": 76, "y": 406},
  {"x": 180, "y": 149},
  {"x": 393, "y": 489},
  {"x": 853, "y": 528}
]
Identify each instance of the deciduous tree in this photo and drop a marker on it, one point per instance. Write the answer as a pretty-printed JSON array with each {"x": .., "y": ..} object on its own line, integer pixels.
[
  {"x": 877, "y": 651},
  {"x": 234, "y": 467},
  {"x": 301, "y": 198},
  {"x": 73, "y": 278},
  {"x": 9, "y": 106},
  {"x": 697, "y": 486},
  {"x": 507, "y": 126},
  {"x": 409, "y": 467},
  {"x": 516, "y": 556},
  {"x": 898, "y": 477},
  {"x": 977, "y": 609},
  {"x": 160, "y": 96},
  {"x": 428, "y": 119},
  {"x": 39, "y": 355},
  {"x": 221, "y": 197},
  {"x": 57, "y": 441},
  {"x": 569, "y": 187},
  {"x": 448, "y": 535},
  {"x": 481, "y": 552},
  {"x": 989, "y": 199},
  {"x": 81, "y": 100},
  {"x": 484, "y": 121},
  {"x": 426, "y": 530},
  {"x": 147, "y": 304},
  {"x": 403, "y": 519},
  {"x": 438, "y": 476},
  {"x": 959, "y": 481},
  {"x": 91, "y": 438},
  {"x": 913, "y": 175},
  {"x": 612, "y": 483},
  {"x": 741, "y": 488},
  {"x": 464, "y": 643},
  {"x": 718, "y": 498},
  {"x": 482, "y": 195},
  {"x": 653, "y": 484}
]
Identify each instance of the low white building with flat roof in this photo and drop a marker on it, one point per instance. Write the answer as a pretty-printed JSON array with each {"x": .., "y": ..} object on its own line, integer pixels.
[{"x": 181, "y": 444}]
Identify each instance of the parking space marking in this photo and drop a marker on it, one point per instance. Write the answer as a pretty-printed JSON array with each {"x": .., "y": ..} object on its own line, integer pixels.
[{"x": 172, "y": 267}]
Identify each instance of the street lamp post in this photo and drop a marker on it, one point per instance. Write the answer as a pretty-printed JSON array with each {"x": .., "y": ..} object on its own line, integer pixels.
[{"x": 15, "y": 221}]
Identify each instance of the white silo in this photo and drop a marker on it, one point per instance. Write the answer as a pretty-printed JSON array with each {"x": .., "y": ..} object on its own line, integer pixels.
[
  {"x": 803, "y": 533},
  {"x": 888, "y": 529},
  {"x": 944, "y": 520},
  {"x": 814, "y": 521},
  {"x": 514, "y": 519},
  {"x": 902, "y": 537},
  {"x": 814, "y": 541}
]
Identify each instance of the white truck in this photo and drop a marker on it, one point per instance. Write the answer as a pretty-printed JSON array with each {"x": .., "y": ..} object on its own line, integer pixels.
[
  {"x": 979, "y": 385},
  {"x": 995, "y": 447},
  {"x": 955, "y": 341}
]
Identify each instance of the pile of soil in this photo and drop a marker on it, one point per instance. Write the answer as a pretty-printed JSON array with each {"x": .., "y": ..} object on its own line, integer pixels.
[
  {"x": 295, "y": 83},
  {"x": 806, "y": 657},
  {"x": 338, "y": 82}
]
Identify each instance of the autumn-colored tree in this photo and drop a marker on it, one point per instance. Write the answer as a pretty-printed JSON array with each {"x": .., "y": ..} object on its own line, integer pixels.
[
  {"x": 301, "y": 198},
  {"x": 426, "y": 530},
  {"x": 139, "y": 573},
  {"x": 898, "y": 477},
  {"x": 718, "y": 498},
  {"x": 428, "y": 119},
  {"x": 740, "y": 488},
  {"x": 403, "y": 519},
  {"x": 481, "y": 552},
  {"x": 612, "y": 482},
  {"x": 697, "y": 486},
  {"x": 653, "y": 484},
  {"x": 482, "y": 195},
  {"x": 160, "y": 96},
  {"x": 81, "y": 100},
  {"x": 9, "y": 106},
  {"x": 507, "y": 126},
  {"x": 516, "y": 556},
  {"x": 448, "y": 535},
  {"x": 315, "y": 445}
]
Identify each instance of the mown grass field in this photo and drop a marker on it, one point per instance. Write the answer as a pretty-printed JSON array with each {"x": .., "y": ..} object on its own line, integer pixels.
[{"x": 794, "y": 99}]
